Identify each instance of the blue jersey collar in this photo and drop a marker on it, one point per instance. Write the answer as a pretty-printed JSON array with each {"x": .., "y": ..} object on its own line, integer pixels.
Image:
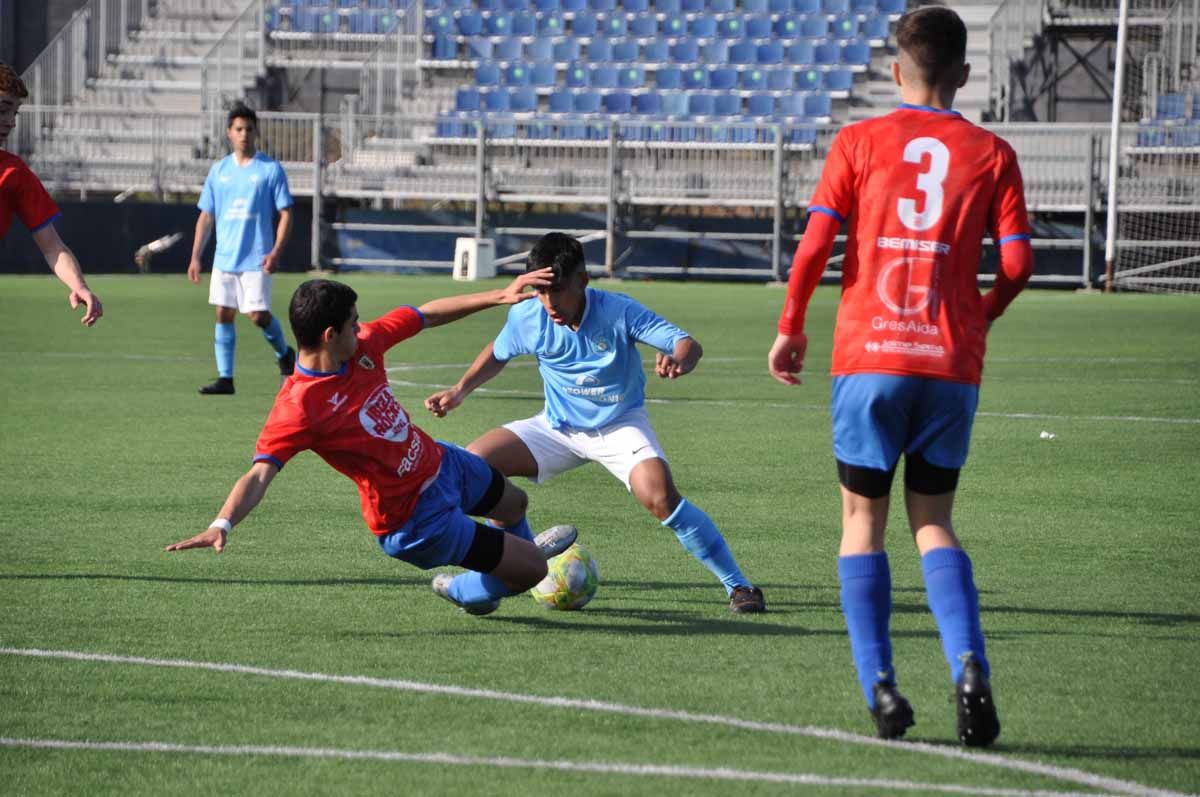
[{"x": 910, "y": 107}]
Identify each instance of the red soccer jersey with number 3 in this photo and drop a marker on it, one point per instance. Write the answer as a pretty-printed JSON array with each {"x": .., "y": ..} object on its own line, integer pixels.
[
  {"x": 352, "y": 420},
  {"x": 918, "y": 189}
]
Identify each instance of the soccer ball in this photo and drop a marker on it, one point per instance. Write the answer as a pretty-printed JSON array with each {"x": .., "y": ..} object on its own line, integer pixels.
[{"x": 570, "y": 582}]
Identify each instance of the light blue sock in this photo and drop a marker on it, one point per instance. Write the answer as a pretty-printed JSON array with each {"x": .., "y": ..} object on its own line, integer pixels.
[
  {"x": 522, "y": 529},
  {"x": 867, "y": 605},
  {"x": 273, "y": 332},
  {"x": 954, "y": 601},
  {"x": 224, "y": 342},
  {"x": 472, "y": 587},
  {"x": 698, "y": 534}
]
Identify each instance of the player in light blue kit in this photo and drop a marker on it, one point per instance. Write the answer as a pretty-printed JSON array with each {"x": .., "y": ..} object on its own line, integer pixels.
[
  {"x": 242, "y": 193},
  {"x": 584, "y": 340}
]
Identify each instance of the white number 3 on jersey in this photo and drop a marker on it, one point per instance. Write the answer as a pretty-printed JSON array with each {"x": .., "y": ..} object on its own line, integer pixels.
[{"x": 928, "y": 182}]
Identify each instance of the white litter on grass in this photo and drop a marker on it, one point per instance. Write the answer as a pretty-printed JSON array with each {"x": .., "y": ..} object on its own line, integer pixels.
[{"x": 1047, "y": 435}]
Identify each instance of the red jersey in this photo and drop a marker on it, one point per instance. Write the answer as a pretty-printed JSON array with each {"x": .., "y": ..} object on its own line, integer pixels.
[
  {"x": 351, "y": 419},
  {"x": 918, "y": 189},
  {"x": 23, "y": 194}
]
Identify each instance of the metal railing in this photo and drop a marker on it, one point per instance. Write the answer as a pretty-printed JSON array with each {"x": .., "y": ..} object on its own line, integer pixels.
[
  {"x": 236, "y": 61},
  {"x": 1012, "y": 29}
]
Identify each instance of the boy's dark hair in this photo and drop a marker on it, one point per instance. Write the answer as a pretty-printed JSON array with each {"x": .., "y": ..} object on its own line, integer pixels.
[
  {"x": 241, "y": 111},
  {"x": 558, "y": 251},
  {"x": 317, "y": 305},
  {"x": 935, "y": 40},
  {"x": 11, "y": 83}
]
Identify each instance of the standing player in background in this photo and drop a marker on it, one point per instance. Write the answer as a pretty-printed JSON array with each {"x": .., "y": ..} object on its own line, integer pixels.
[
  {"x": 918, "y": 189},
  {"x": 585, "y": 343},
  {"x": 416, "y": 493},
  {"x": 242, "y": 192},
  {"x": 22, "y": 194}
]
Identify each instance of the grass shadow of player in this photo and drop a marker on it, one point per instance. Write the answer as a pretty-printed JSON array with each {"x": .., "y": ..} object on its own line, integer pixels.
[{"x": 206, "y": 580}]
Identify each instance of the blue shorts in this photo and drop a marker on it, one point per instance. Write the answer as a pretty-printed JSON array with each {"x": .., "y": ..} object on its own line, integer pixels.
[
  {"x": 440, "y": 532},
  {"x": 878, "y": 416}
]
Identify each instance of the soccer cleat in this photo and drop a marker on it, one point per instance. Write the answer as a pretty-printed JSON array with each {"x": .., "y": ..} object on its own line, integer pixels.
[
  {"x": 893, "y": 714},
  {"x": 747, "y": 600},
  {"x": 978, "y": 724},
  {"x": 441, "y": 586},
  {"x": 555, "y": 540},
  {"x": 222, "y": 387},
  {"x": 287, "y": 363}
]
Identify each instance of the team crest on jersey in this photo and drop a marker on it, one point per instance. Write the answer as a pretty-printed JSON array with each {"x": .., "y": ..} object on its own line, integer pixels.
[
  {"x": 366, "y": 363},
  {"x": 601, "y": 344},
  {"x": 383, "y": 417}
]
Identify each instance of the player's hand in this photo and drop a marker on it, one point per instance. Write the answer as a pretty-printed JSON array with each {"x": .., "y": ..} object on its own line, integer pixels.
[
  {"x": 194, "y": 270},
  {"x": 786, "y": 358},
  {"x": 211, "y": 537},
  {"x": 668, "y": 367},
  {"x": 515, "y": 292},
  {"x": 91, "y": 302},
  {"x": 443, "y": 401},
  {"x": 270, "y": 262}
]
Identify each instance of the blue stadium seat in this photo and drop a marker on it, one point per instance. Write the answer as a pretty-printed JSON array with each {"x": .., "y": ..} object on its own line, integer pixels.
[
  {"x": 380, "y": 4},
  {"x": 760, "y": 105},
  {"x": 800, "y": 52},
  {"x": 755, "y": 6},
  {"x": 716, "y": 52},
  {"x": 674, "y": 104},
  {"x": 566, "y": 50},
  {"x": 587, "y": 102},
  {"x": 779, "y": 6},
  {"x": 806, "y": 6},
  {"x": 439, "y": 24},
  {"x": 1169, "y": 107},
  {"x": 599, "y": 51},
  {"x": 497, "y": 24},
  {"x": 668, "y": 77},
  {"x": 753, "y": 79},
  {"x": 452, "y": 4},
  {"x": 695, "y": 78},
  {"x": 644, "y": 26},
  {"x": 801, "y": 134},
  {"x": 551, "y": 23},
  {"x": 309, "y": 21},
  {"x": 722, "y": 78},
  {"x": 685, "y": 51},
  {"x": 841, "y": 80},
  {"x": 466, "y": 100},
  {"x": 668, "y": 7},
  {"x": 560, "y": 101},
  {"x": 543, "y": 74},
  {"x": 787, "y": 27},
  {"x": 827, "y": 53},
  {"x": 758, "y": 27},
  {"x": 631, "y": 76},
  {"x": 770, "y": 53},
  {"x": 517, "y": 74},
  {"x": 656, "y": 52},
  {"x": 835, "y": 7},
  {"x": 271, "y": 19},
  {"x": 604, "y": 77},
  {"x": 728, "y": 105},
  {"x": 584, "y": 25},
  {"x": 790, "y": 104},
  {"x": 386, "y": 22},
  {"x": 445, "y": 48},
  {"x": 573, "y": 6},
  {"x": 524, "y": 100},
  {"x": 1195, "y": 107},
  {"x": 892, "y": 7},
  {"x": 578, "y": 75},
  {"x": 648, "y": 103},
  {"x": 863, "y": 6},
  {"x": 614, "y": 26},
  {"x": 743, "y": 52},
  {"x": 625, "y": 50},
  {"x": 487, "y": 74},
  {"x": 539, "y": 50},
  {"x": 506, "y": 49},
  {"x": 781, "y": 79},
  {"x": 516, "y": 5},
  {"x": 618, "y": 102},
  {"x": 700, "y": 104},
  {"x": 356, "y": 4},
  {"x": 691, "y": 6},
  {"x": 818, "y": 106},
  {"x": 856, "y": 53},
  {"x": 602, "y": 6},
  {"x": 497, "y": 100},
  {"x": 546, "y": 6},
  {"x": 362, "y": 20},
  {"x": 877, "y": 29},
  {"x": 703, "y": 27},
  {"x": 500, "y": 126},
  {"x": 845, "y": 27},
  {"x": 479, "y": 49},
  {"x": 674, "y": 26},
  {"x": 731, "y": 28},
  {"x": 814, "y": 27},
  {"x": 721, "y": 6},
  {"x": 489, "y": 5},
  {"x": 635, "y": 6},
  {"x": 469, "y": 23},
  {"x": 808, "y": 79}
]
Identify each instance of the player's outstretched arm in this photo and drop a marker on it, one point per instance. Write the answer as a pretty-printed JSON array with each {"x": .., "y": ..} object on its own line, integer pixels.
[
  {"x": 64, "y": 265},
  {"x": 681, "y": 361},
  {"x": 485, "y": 367},
  {"x": 452, "y": 308},
  {"x": 244, "y": 496},
  {"x": 204, "y": 225}
]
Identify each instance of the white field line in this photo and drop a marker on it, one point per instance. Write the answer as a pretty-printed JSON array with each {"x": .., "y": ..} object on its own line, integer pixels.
[
  {"x": 592, "y": 767},
  {"x": 987, "y": 759}
]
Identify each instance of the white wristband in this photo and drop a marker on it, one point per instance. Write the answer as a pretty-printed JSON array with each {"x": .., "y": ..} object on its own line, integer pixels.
[{"x": 221, "y": 523}]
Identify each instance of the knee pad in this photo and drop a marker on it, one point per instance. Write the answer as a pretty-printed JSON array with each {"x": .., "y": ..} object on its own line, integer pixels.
[
  {"x": 921, "y": 476},
  {"x": 867, "y": 482}
]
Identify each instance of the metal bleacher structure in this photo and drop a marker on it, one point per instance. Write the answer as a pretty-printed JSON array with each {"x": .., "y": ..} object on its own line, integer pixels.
[{"x": 721, "y": 108}]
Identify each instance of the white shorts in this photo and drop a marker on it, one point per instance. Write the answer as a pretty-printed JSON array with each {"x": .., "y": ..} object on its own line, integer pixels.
[
  {"x": 248, "y": 291},
  {"x": 618, "y": 447}
]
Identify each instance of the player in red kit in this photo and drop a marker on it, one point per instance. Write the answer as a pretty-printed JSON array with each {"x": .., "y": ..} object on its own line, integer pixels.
[
  {"x": 417, "y": 494},
  {"x": 23, "y": 195},
  {"x": 917, "y": 189}
]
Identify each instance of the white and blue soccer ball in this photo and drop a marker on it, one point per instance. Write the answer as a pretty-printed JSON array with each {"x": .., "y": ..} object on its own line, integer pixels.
[{"x": 571, "y": 580}]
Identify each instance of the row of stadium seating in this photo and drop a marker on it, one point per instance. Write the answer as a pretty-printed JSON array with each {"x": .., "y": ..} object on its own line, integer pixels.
[
  {"x": 830, "y": 7},
  {"x": 1177, "y": 107},
  {"x": 544, "y": 75},
  {"x": 669, "y": 104},
  {"x": 795, "y": 130},
  {"x": 653, "y": 56}
]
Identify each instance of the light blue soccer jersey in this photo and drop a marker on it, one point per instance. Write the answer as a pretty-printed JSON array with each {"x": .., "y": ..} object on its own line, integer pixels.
[
  {"x": 592, "y": 375},
  {"x": 243, "y": 201}
]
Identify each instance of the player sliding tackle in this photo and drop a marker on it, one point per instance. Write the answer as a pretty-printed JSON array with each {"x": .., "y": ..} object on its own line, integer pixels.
[{"x": 417, "y": 493}]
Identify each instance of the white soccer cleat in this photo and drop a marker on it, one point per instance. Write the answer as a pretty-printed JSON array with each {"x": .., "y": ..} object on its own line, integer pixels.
[
  {"x": 441, "y": 587},
  {"x": 556, "y": 539}
]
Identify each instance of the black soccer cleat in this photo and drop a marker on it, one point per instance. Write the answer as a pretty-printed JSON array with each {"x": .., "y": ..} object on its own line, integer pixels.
[
  {"x": 978, "y": 725},
  {"x": 747, "y": 600},
  {"x": 222, "y": 387},
  {"x": 287, "y": 363},
  {"x": 892, "y": 713}
]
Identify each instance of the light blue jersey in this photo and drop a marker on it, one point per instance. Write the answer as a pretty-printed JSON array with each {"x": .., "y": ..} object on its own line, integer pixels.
[
  {"x": 243, "y": 201},
  {"x": 592, "y": 375}
]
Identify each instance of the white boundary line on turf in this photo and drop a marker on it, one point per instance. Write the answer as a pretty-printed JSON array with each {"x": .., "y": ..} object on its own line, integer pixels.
[
  {"x": 987, "y": 759},
  {"x": 596, "y": 767}
]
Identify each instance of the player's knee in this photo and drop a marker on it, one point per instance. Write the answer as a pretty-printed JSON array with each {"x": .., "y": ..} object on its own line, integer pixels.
[
  {"x": 867, "y": 482},
  {"x": 922, "y": 476},
  {"x": 261, "y": 318}
]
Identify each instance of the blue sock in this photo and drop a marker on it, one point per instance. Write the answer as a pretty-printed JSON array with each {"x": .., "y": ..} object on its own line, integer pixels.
[
  {"x": 950, "y": 585},
  {"x": 224, "y": 341},
  {"x": 700, "y": 537},
  {"x": 472, "y": 587},
  {"x": 273, "y": 332},
  {"x": 522, "y": 529},
  {"x": 867, "y": 604}
]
